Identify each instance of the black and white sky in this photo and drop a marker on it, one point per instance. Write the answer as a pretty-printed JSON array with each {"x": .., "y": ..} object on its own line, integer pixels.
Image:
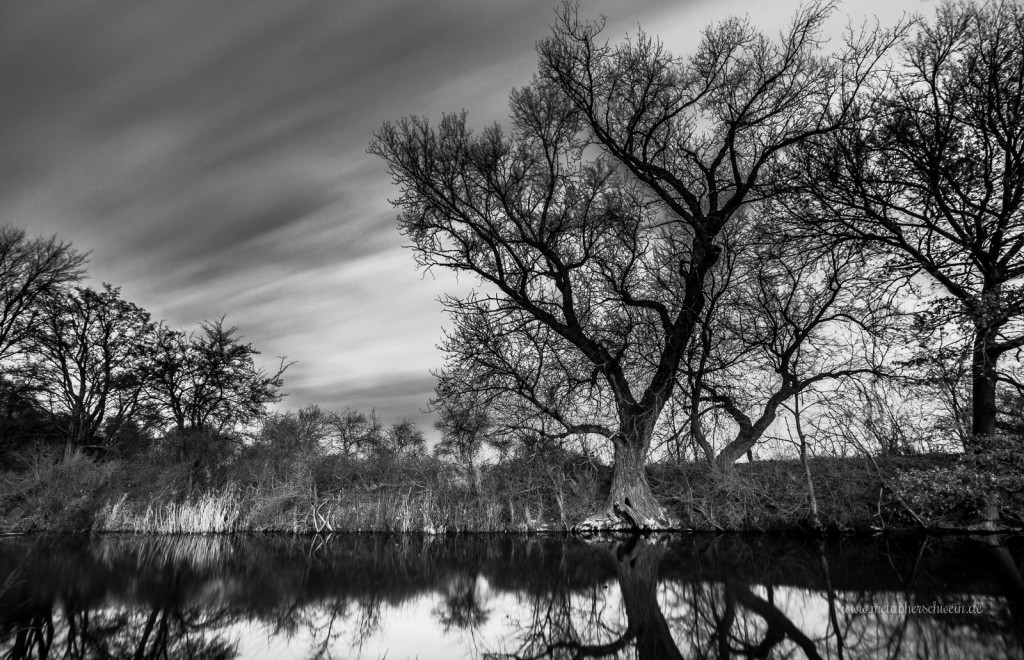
[{"x": 211, "y": 156}]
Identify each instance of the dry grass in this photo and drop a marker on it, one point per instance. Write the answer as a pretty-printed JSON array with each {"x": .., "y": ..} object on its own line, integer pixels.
[
  {"x": 285, "y": 510},
  {"x": 212, "y": 512},
  {"x": 335, "y": 494},
  {"x": 404, "y": 495}
]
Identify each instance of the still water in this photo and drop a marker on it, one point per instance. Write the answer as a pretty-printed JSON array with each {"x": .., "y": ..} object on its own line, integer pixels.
[{"x": 395, "y": 597}]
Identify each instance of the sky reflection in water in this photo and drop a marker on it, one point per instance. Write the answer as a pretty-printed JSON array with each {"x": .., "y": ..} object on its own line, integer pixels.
[{"x": 374, "y": 596}]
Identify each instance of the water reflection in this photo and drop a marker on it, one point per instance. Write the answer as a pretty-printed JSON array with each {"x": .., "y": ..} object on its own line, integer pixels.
[{"x": 501, "y": 597}]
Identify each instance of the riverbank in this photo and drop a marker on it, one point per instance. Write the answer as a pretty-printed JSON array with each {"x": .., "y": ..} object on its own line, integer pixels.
[{"x": 423, "y": 494}]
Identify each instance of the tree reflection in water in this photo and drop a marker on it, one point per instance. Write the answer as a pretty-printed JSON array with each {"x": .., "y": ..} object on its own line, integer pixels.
[
  {"x": 503, "y": 597},
  {"x": 72, "y": 632}
]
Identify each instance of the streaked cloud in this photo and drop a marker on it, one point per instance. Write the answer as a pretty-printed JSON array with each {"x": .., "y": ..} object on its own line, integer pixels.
[{"x": 212, "y": 157}]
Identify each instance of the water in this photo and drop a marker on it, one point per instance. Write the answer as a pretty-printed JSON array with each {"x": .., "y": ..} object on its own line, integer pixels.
[{"x": 374, "y": 596}]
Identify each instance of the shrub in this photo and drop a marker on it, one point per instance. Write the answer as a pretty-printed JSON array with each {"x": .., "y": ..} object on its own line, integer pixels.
[
  {"x": 990, "y": 474},
  {"x": 54, "y": 492}
]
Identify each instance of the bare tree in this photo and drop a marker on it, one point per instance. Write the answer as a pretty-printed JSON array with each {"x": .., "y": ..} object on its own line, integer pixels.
[
  {"x": 799, "y": 314},
  {"x": 303, "y": 433},
  {"x": 209, "y": 382},
  {"x": 403, "y": 438},
  {"x": 89, "y": 360},
  {"x": 465, "y": 426},
  {"x": 31, "y": 269},
  {"x": 934, "y": 173},
  {"x": 354, "y": 432},
  {"x": 596, "y": 263}
]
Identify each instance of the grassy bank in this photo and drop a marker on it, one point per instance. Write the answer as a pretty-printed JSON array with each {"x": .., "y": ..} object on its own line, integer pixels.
[{"x": 155, "y": 493}]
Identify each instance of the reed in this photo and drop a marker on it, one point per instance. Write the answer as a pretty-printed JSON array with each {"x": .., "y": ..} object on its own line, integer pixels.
[
  {"x": 435, "y": 508},
  {"x": 211, "y": 512}
]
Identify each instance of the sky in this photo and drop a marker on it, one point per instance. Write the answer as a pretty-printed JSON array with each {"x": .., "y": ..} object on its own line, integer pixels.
[{"x": 211, "y": 157}]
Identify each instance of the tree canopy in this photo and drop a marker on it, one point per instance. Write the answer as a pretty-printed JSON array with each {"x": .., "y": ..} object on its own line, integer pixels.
[
  {"x": 595, "y": 222},
  {"x": 31, "y": 270},
  {"x": 932, "y": 172}
]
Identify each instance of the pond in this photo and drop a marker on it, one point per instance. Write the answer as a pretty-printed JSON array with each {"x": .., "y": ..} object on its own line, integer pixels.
[{"x": 491, "y": 597}]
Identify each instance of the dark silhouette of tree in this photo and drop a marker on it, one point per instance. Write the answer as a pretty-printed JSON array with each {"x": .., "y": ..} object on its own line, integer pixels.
[
  {"x": 595, "y": 263},
  {"x": 354, "y": 432},
  {"x": 747, "y": 626},
  {"x": 465, "y": 426},
  {"x": 74, "y": 632},
  {"x": 934, "y": 173},
  {"x": 403, "y": 438},
  {"x": 31, "y": 270},
  {"x": 23, "y": 421},
  {"x": 462, "y": 606},
  {"x": 208, "y": 382},
  {"x": 303, "y": 433},
  {"x": 89, "y": 358}
]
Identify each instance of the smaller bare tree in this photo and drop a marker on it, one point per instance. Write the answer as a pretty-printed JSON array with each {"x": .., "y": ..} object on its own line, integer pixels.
[
  {"x": 209, "y": 382},
  {"x": 354, "y": 432},
  {"x": 465, "y": 426},
  {"x": 404, "y": 438},
  {"x": 933, "y": 172},
  {"x": 799, "y": 314}
]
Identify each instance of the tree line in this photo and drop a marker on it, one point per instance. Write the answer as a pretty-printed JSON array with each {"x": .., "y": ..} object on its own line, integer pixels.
[
  {"x": 84, "y": 368},
  {"x": 770, "y": 240}
]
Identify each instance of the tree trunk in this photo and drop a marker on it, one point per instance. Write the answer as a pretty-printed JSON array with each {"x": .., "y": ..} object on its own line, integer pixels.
[
  {"x": 983, "y": 382},
  {"x": 636, "y": 566},
  {"x": 778, "y": 626},
  {"x": 830, "y": 592},
  {"x": 637, "y": 569},
  {"x": 630, "y": 504},
  {"x": 1006, "y": 573},
  {"x": 733, "y": 451},
  {"x": 697, "y": 431},
  {"x": 815, "y": 518}
]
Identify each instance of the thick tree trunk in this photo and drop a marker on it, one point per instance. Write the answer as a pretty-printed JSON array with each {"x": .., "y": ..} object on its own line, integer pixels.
[
  {"x": 637, "y": 569},
  {"x": 77, "y": 436},
  {"x": 983, "y": 382},
  {"x": 732, "y": 452},
  {"x": 1004, "y": 570},
  {"x": 630, "y": 504},
  {"x": 636, "y": 566}
]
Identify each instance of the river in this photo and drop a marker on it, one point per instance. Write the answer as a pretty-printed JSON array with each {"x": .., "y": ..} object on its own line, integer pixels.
[{"x": 500, "y": 596}]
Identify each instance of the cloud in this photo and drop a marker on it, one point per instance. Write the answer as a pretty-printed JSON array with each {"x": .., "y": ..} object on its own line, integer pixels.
[{"x": 212, "y": 157}]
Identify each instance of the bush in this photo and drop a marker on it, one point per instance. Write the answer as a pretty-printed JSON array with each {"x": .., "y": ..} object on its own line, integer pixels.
[
  {"x": 991, "y": 474},
  {"x": 981, "y": 483},
  {"x": 54, "y": 492},
  {"x": 961, "y": 489}
]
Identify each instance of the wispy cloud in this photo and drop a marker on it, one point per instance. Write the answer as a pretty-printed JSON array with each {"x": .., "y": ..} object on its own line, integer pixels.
[{"x": 212, "y": 156}]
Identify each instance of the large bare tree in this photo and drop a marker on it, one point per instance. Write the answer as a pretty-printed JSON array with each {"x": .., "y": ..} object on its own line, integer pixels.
[
  {"x": 594, "y": 222},
  {"x": 934, "y": 173}
]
